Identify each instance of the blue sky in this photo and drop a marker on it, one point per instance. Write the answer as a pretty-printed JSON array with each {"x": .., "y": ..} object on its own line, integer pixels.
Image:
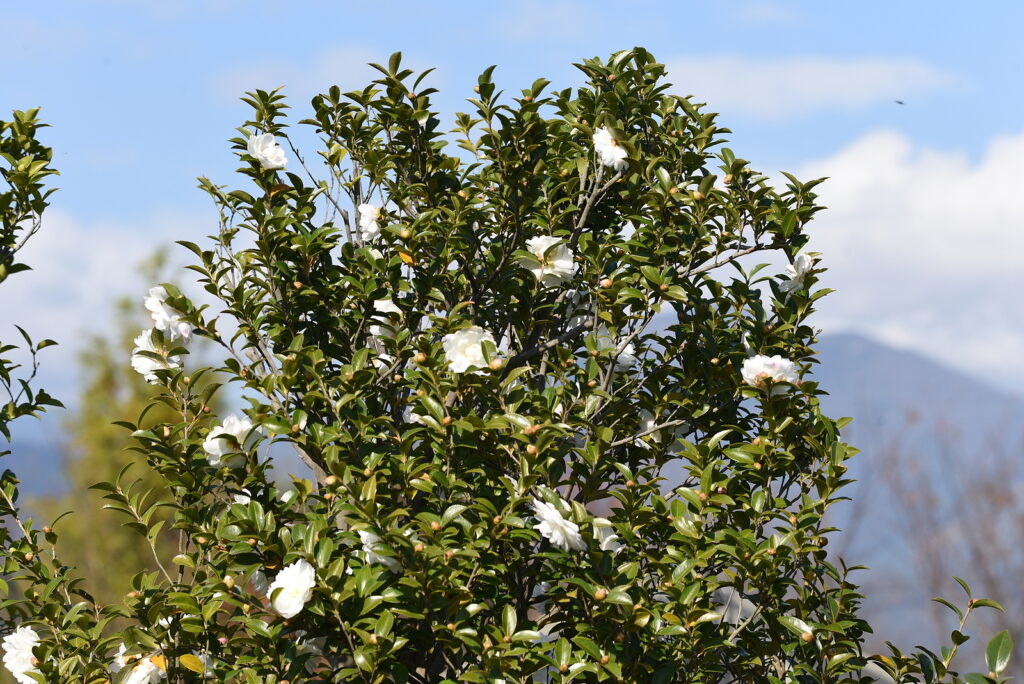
[
  {"x": 142, "y": 95},
  {"x": 923, "y": 238}
]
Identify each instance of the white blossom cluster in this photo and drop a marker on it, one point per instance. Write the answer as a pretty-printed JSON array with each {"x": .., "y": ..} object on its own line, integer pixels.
[
  {"x": 148, "y": 356},
  {"x": 760, "y": 371},
  {"x": 221, "y": 441},
  {"x": 266, "y": 150},
  {"x": 18, "y": 659},
  {"x": 565, "y": 534}
]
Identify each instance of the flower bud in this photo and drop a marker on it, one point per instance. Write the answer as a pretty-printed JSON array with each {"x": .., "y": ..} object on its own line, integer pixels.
[
  {"x": 331, "y": 480},
  {"x": 420, "y": 358},
  {"x": 397, "y": 377},
  {"x": 604, "y": 659},
  {"x": 436, "y": 526},
  {"x": 229, "y": 581},
  {"x": 698, "y": 195},
  {"x": 29, "y": 556},
  {"x": 531, "y": 450},
  {"x": 476, "y": 89},
  {"x": 451, "y": 626},
  {"x": 630, "y": 484},
  {"x": 297, "y": 285},
  {"x": 606, "y": 283},
  {"x": 600, "y": 594},
  {"x": 496, "y": 364},
  {"x": 447, "y": 420},
  {"x": 563, "y": 668},
  {"x": 47, "y": 529},
  {"x": 728, "y": 179},
  {"x": 807, "y": 637},
  {"x": 405, "y": 233},
  {"x": 295, "y": 429}
]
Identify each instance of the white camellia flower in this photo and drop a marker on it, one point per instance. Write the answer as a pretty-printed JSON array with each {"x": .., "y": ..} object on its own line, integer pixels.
[
  {"x": 265, "y": 150},
  {"x": 369, "y": 226},
  {"x": 626, "y": 358},
  {"x": 797, "y": 271},
  {"x": 386, "y": 329},
  {"x": 551, "y": 260},
  {"x": 760, "y": 369},
  {"x": 608, "y": 149},
  {"x": 165, "y": 319},
  {"x": 120, "y": 660},
  {"x": 292, "y": 588},
  {"x": 464, "y": 348},
  {"x": 145, "y": 672},
  {"x": 605, "y": 533},
  {"x": 216, "y": 446},
  {"x": 18, "y": 658},
  {"x": 565, "y": 534},
  {"x": 371, "y": 542},
  {"x": 147, "y": 365}
]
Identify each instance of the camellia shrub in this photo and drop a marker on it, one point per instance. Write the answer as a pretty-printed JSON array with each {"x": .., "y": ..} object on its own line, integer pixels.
[{"x": 558, "y": 418}]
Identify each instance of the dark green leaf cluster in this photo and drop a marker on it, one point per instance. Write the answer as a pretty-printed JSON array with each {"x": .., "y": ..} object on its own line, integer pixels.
[{"x": 559, "y": 421}]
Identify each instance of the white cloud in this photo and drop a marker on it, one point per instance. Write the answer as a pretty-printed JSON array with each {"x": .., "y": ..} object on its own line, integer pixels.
[
  {"x": 78, "y": 272},
  {"x": 925, "y": 247},
  {"x": 346, "y": 67},
  {"x": 775, "y": 88}
]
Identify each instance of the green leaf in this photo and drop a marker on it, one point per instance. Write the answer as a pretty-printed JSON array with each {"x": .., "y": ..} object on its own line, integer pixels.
[
  {"x": 509, "y": 620},
  {"x": 795, "y": 625},
  {"x": 997, "y": 654}
]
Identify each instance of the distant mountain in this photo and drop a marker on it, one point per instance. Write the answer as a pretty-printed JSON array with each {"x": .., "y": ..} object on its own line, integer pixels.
[
  {"x": 36, "y": 456},
  {"x": 922, "y": 428},
  {"x": 881, "y": 387}
]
